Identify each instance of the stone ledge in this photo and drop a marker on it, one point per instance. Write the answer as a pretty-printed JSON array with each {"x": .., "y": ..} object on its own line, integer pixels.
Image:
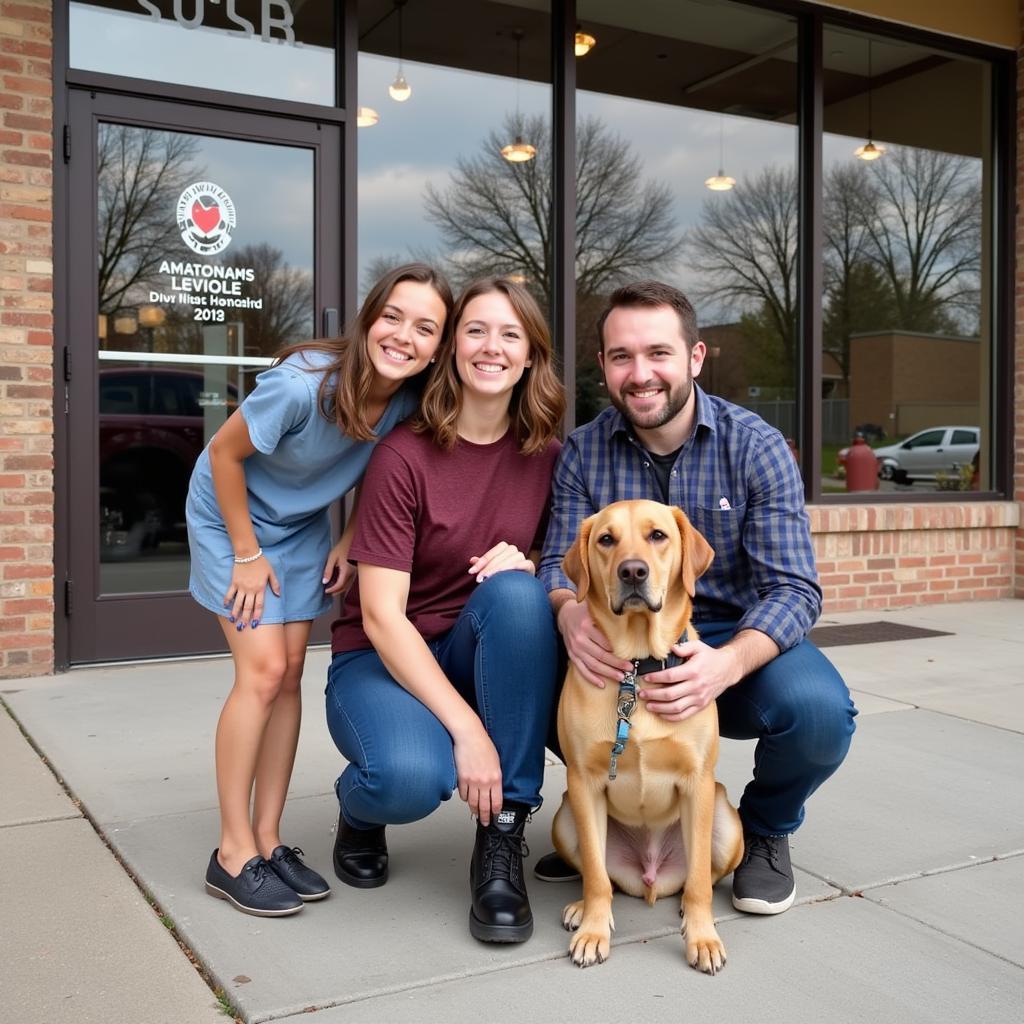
[{"x": 969, "y": 515}]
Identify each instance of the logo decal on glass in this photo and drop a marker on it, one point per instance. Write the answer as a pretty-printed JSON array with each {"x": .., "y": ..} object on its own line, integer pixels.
[{"x": 206, "y": 218}]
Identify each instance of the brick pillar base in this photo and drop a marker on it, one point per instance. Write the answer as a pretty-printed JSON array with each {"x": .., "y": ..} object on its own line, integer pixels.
[{"x": 26, "y": 338}]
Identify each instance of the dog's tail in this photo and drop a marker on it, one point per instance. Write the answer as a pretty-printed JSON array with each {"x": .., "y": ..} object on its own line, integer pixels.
[{"x": 649, "y": 894}]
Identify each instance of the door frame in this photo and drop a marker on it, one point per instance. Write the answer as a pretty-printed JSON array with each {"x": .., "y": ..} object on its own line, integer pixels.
[{"x": 86, "y": 631}]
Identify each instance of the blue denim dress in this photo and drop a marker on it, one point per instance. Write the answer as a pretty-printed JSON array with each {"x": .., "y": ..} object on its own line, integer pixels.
[{"x": 302, "y": 464}]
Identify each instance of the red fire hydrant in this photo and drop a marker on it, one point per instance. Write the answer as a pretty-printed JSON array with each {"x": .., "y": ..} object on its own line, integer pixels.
[{"x": 861, "y": 467}]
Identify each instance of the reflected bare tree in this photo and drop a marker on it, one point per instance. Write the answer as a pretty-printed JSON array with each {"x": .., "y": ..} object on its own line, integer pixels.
[
  {"x": 496, "y": 216},
  {"x": 922, "y": 214},
  {"x": 286, "y": 316},
  {"x": 140, "y": 174},
  {"x": 745, "y": 251},
  {"x": 857, "y": 296},
  {"x": 902, "y": 251}
]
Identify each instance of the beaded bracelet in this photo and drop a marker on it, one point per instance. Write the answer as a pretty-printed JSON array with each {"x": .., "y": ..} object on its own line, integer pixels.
[{"x": 251, "y": 558}]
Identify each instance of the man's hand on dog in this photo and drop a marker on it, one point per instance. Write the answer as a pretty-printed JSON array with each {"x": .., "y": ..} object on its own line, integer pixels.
[
  {"x": 588, "y": 648},
  {"x": 677, "y": 693}
]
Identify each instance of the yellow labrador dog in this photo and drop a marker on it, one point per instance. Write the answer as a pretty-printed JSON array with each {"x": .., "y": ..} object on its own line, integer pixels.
[{"x": 643, "y": 809}]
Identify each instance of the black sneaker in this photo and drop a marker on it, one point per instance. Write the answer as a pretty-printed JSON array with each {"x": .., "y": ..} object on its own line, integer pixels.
[
  {"x": 763, "y": 883},
  {"x": 255, "y": 890},
  {"x": 551, "y": 868},
  {"x": 500, "y": 910},
  {"x": 306, "y": 883}
]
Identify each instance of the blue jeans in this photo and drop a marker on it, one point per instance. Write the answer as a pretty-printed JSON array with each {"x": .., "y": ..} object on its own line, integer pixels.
[
  {"x": 501, "y": 655},
  {"x": 799, "y": 710}
]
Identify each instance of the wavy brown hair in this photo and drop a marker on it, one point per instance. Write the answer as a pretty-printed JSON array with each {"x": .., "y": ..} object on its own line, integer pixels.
[
  {"x": 538, "y": 399},
  {"x": 345, "y": 387}
]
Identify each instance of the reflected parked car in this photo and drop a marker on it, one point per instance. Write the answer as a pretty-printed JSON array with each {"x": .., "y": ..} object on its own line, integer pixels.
[
  {"x": 927, "y": 453},
  {"x": 151, "y": 423}
]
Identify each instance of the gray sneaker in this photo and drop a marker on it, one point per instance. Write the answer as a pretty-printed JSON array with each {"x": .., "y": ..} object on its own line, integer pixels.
[{"x": 763, "y": 883}]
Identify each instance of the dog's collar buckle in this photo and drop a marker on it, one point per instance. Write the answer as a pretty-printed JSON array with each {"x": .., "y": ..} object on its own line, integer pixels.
[
  {"x": 627, "y": 694},
  {"x": 625, "y": 707}
]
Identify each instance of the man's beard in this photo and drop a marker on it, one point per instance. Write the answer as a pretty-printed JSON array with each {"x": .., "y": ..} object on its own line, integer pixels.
[{"x": 658, "y": 417}]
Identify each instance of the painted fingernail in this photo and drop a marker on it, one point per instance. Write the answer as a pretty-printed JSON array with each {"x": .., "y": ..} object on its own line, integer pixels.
[
  {"x": 240, "y": 626},
  {"x": 324, "y": 580},
  {"x": 254, "y": 623},
  {"x": 231, "y": 618},
  {"x": 480, "y": 578}
]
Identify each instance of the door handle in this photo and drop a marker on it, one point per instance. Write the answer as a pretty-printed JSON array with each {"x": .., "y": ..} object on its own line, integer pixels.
[{"x": 330, "y": 322}]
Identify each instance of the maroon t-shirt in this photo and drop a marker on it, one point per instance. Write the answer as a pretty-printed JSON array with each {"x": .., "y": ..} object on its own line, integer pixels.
[{"x": 426, "y": 511}]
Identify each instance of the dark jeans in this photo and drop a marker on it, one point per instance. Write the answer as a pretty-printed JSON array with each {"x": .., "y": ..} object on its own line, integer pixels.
[
  {"x": 501, "y": 655},
  {"x": 799, "y": 710}
]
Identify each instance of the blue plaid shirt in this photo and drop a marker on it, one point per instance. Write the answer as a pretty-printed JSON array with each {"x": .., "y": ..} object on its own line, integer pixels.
[{"x": 738, "y": 482}]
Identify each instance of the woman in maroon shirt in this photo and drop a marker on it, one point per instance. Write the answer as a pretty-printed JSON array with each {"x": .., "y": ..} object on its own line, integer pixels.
[{"x": 445, "y": 656}]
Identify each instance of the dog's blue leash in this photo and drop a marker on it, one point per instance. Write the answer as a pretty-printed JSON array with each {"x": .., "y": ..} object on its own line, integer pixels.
[{"x": 626, "y": 704}]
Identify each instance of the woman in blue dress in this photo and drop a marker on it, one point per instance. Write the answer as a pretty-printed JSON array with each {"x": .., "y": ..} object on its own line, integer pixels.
[{"x": 262, "y": 560}]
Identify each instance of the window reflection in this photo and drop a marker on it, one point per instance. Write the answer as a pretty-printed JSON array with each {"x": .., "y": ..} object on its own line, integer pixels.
[
  {"x": 906, "y": 325},
  {"x": 278, "y": 48},
  {"x": 433, "y": 182},
  {"x": 204, "y": 270},
  {"x": 673, "y": 101}
]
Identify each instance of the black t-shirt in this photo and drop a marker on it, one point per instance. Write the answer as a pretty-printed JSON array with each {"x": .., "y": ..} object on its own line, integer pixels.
[{"x": 662, "y": 466}]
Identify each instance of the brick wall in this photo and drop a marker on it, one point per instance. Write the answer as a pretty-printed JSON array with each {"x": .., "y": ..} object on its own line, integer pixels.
[
  {"x": 26, "y": 338},
  {"x": 896, "y": 556}
]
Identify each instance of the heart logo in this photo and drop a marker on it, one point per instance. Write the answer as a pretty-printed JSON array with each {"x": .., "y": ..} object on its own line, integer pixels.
[{"x": 206, "y": 218}]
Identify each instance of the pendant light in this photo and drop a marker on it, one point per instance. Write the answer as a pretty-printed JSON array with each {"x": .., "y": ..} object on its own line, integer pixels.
[
  {"x": 720, "y": 182},
  {"x": 869, "y": 151},
  {"x": 400, "y": 90},
  {"x": 583, "y": 42},
  {"x": 366, "y": 117},
  {"x": 519, "y": 151}
]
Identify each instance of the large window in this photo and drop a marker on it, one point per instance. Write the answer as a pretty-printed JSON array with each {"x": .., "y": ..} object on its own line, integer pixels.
[
  {"x": 455, "y": 143},
  {"x": 692, "y": 165},
  {"x": 907, "y": 322},
  {"x": 686, "y": 170}
]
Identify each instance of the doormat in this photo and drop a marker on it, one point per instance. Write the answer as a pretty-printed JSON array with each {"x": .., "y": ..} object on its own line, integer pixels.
[{"x": 868, "y": 633}]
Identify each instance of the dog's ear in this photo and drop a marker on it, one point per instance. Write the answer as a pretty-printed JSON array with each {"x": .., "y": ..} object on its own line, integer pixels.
[
  {"x": 697, "y": 552},
  {"x": 576, "y": 564}
]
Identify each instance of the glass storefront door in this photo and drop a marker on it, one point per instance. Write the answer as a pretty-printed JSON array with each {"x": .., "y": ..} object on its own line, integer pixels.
[{"x": 202, "y": 243}]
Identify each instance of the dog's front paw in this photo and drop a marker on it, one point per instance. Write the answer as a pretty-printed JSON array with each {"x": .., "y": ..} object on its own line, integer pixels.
[
  {"x": 704, "y": 951},
  {"x": 572, "y": 915},
  {"x": 590, "y": 946}
]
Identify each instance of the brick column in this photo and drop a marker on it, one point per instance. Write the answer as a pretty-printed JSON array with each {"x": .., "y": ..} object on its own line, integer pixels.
[{"x": 26, "y": 338}]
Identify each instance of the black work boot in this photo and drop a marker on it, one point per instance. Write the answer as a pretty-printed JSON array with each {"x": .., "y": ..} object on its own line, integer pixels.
[
  {"x": 360, "y": 855},
  {"x": 501, "y": 909}
]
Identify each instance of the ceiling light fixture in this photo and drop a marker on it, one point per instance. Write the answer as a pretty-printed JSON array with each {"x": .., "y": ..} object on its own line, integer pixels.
[
  {"x": 519, "y": 151},
  {"x": 366, "y": 117},
  {"x": 583, "y": 42},
  {"x": 869, "y": 151},
  {"x": 720, "y": 182},
  {"x": 400, "y": 90}
]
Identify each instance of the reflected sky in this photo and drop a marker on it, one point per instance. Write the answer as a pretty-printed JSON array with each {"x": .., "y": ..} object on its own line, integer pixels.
[{"x": 138, "y": 46}]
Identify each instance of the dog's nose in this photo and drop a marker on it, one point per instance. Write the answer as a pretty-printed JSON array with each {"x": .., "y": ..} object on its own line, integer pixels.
[{"x": 633, "y": 571}]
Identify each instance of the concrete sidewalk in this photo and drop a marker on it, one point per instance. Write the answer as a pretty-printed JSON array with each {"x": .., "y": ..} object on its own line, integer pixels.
[{"x": 910, "y": 868}]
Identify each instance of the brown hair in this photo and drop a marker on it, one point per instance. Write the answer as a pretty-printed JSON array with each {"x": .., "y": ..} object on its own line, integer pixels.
[
  {"x": 538, "y": 399},
  {"x": 347, "y": 378},
  {"x": 650, "y": 294}
]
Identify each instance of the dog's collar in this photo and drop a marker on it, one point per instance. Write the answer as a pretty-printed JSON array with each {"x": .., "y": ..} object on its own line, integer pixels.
[
  {"x": 626, "y": 703},
  {"x": 644, "y": 665}
]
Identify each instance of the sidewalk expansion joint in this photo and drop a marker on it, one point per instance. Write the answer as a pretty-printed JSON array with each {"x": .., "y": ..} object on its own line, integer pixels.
[
  {"x": 931, "y": 926},
  {"x": 847, "y": 890}
]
